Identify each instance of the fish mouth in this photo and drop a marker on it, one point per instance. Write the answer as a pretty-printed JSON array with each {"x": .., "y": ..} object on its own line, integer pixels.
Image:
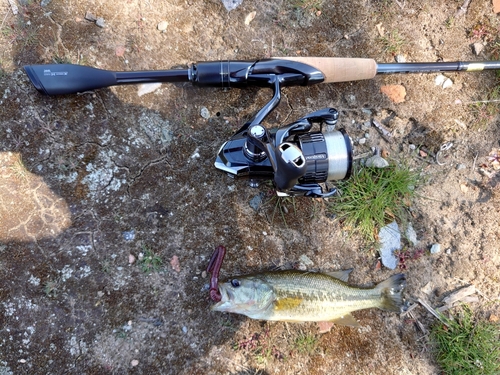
[{"x": 225, "y": 303}]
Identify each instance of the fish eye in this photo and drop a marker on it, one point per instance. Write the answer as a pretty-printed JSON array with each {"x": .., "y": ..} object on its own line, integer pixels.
[{"x": 235, "y": 283}]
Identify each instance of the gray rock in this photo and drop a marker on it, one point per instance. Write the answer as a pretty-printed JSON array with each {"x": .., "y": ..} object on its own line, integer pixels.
[
  {"x": 460, "y": 167},
  {"x": 100, "y": 22},
  {"x": 411, "y": 235},
  {"x": 390, "y": 241},
  {"x": 376, "y": 161},
  {"x": 256, "y": 202},
  {"x": 205, "y": 113},
  {"x": 129, "y": 235},
  {"x": 90, "y": 17},
  {"x": 231, "y": 4},
  {"x": 306, "y": 260},
  {"x": 435, "y": 248},
  {"x": 44, "y": 3}
]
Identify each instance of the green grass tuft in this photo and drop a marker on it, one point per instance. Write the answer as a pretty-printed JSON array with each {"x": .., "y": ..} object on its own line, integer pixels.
[
  {"x": 149, "y": 261},
  {"x": 467, "y": 345},
  {"x": 373, "y": 197}
]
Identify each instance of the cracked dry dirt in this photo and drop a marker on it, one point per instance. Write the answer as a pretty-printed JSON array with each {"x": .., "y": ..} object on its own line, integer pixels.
[{"x": 88, "y": 180}]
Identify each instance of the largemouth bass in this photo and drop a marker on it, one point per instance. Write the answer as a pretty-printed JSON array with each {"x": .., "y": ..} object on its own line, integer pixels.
[{"x": 298, "y": 296}]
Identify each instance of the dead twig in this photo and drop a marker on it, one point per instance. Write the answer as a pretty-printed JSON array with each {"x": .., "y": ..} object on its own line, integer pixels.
[{"x": 432, "y": 311}]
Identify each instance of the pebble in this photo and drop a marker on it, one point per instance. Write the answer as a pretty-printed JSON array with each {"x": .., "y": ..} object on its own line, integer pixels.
[
  {"x": 44, "y": 3},
  {"x": 131, "y": 259},
  {"x": 162, "y": 26},
  {"x": 396, "y": 93},
  {"x": 231, "y": 4},
  {"x": 205, "y": 113},
  {"x": 477, "y": 48},
  {"x": 435, "y": 248},
  {"x": 129, "y": 235},
  {"x": 400, "y": 59},
  {"x": 439, "y": 80},
  {"x": 376, "y": 161},
  {"x": 448, "y": 83},
  {"x": 411, "y": 235},
  {"x": 366, "y": 125},
  {"x": 185, "y": 329},
  {"x": 90, "y": 17},
  {"x": 362, "y": 141},
  {"x": 390, "y": 241},
  {"x": 306, "y": 260},
  {"x": 134, "y": 362},
  {"x": 100, "y": 22},
  {"x": 256, "y": 202},
  {"x": 460, "y": 167},
  {"x": 351, "y": 100},
  {"x": 204, "y": 274},
  {"x": 412, "y": 146}
]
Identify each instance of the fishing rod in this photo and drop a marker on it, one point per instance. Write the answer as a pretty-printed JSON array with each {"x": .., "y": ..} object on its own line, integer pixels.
[{"x": 295, "y": 157}]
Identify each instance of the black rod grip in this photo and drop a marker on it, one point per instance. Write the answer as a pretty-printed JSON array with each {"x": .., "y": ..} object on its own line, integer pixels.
[{"x": 60, "y": 79}]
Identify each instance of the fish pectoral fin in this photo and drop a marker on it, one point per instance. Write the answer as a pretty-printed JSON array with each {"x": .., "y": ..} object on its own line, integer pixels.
[
  {"x": 288, "y": 303},
  {"x": 342, "y": 275},
  {"x": 346, "y": 320}
]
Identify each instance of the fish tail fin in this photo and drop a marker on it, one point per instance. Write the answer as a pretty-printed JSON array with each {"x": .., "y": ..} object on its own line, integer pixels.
[{"x": 391, "y": 290}]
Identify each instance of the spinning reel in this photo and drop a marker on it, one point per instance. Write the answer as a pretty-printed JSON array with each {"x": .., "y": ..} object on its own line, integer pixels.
[{"x": 296, "y": 158}]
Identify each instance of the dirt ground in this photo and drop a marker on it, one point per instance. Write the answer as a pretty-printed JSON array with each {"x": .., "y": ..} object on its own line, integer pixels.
[{"x": 97, "y": 189}]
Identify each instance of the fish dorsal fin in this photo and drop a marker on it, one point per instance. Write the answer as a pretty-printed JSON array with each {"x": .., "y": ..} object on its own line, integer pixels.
[
  {"x": 346, "y": 320},
  {"x": 342, "y": 275}
]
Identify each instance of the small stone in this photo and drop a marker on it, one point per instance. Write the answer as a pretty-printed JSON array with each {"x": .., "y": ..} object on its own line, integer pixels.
[
  {"x": 174, "y": 262},
  {"x": 134, "y": 362},
  {"x": 411, "y": 235},
  {"x": 147, "y": 88},
  {"x": 185, "y": 329},
  {"x": 131, "y": 259},
  {"x": 249, "y": 18},
  {"x": 351, "y": 100},
  {"x": 204, "y": 274},
  {"x": 90, "y": 17},
  {"x": 231, "y": 4},
  {"x": 325, "y": 327},
  {"x": 400, "y": 59},
  {"x": 100, "y": 22},
  {"x": 460, "y": 167},
  {"x": 256, "y": 202},
  {"x": 412, "y": 146},
  {"x": 129, "y": 235},
  {"x": 376, "y": 161},
  {"x": 448, "y": 83},
  {"x": 366, "y": 125},
  {"x": 477, "y": 48},
  {"x": 390, "y": 241},
  {"x": 435, "y": 248},
  {"x": 205, "y": 113},
  {"x": 362, "y": 141},
  {"x": 396, "y": 93},
  {"x": 162, "y": 26},
  {"x": 44, "y": 3},
  {"x": 306, "y": 260},
  {"x": 439, "y": 80}
]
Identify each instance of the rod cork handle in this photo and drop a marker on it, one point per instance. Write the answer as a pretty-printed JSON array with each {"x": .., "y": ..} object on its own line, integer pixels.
[{"x": 340, "y": 69}]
